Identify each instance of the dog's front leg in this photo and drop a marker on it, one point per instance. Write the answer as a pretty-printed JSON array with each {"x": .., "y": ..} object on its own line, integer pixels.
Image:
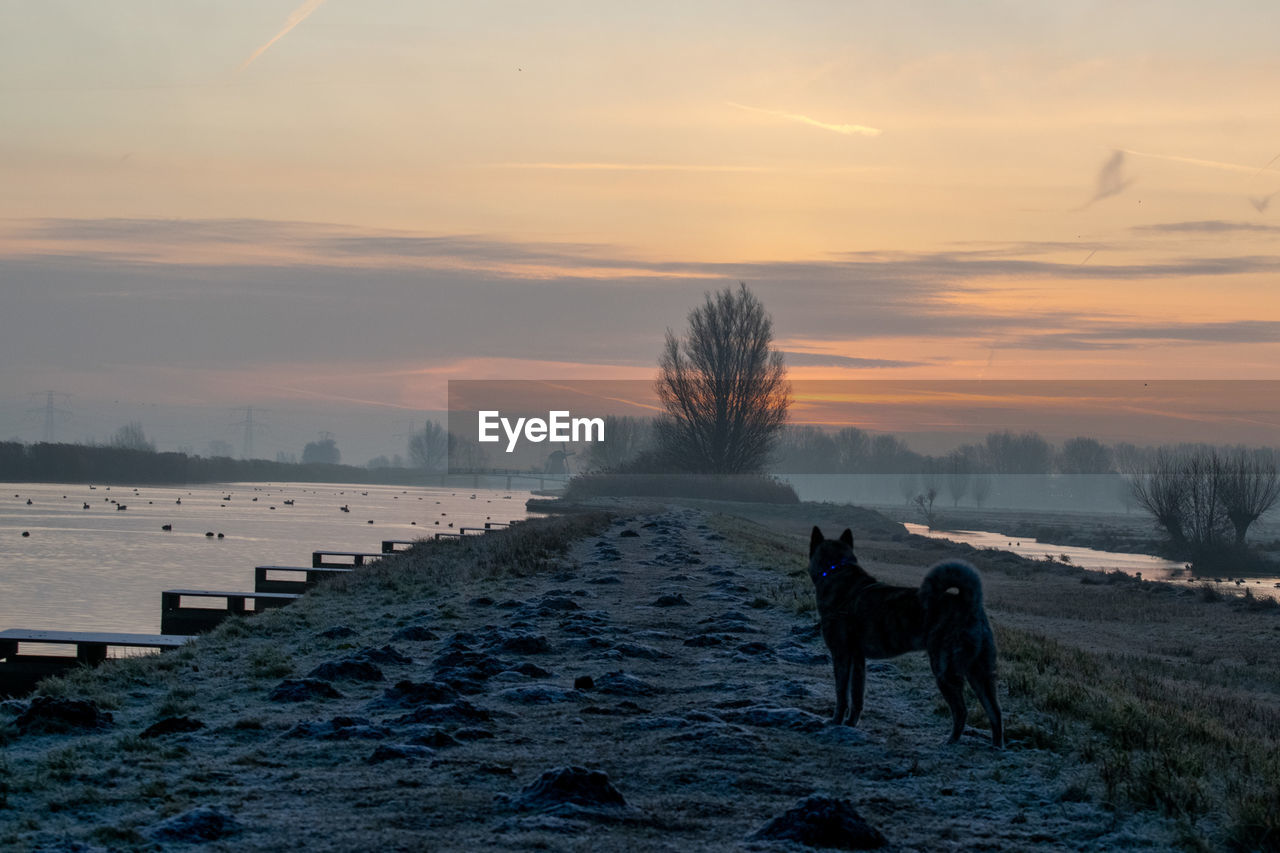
[
  {"x": 858, "y": 684},
  {"x": 840, "y": 663}
]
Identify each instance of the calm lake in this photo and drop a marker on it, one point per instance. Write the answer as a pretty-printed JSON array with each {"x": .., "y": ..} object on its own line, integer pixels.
[{"x": 99, "y": 568}]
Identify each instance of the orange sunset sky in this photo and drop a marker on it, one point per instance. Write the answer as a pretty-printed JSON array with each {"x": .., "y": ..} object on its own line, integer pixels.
[{"x": 328, "y": 209}]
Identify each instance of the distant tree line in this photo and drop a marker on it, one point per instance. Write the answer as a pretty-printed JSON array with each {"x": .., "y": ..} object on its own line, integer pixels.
[{"x": 80, "y": 463}]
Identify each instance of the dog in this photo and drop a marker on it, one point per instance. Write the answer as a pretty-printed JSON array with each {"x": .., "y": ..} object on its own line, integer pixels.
[{"x": 862, "y": 618}]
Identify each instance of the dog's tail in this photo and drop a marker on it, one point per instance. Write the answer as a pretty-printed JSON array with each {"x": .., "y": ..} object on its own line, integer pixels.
[{"x": 948, "y": 575}]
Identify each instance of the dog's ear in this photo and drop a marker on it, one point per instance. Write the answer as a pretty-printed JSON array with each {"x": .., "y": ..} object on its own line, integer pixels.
[
  {"x": 847, "y": 537},
  {"x": 815, "y": 539}
]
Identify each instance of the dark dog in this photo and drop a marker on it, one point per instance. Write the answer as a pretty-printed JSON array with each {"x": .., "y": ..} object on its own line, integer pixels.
[{"x": 862, "y": 618}]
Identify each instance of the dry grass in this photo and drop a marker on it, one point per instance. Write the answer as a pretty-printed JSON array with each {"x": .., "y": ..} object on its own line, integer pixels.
[
  {"x": 118, "y": 782},
  {"x": 521, "y": 550},
  {"x": 1174, "y": 738}
]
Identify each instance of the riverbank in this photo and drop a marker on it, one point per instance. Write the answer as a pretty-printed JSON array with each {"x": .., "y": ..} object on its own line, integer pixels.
[
  {"x": 1137, "y": 715},
  {"x": 1125, "y": 533}
]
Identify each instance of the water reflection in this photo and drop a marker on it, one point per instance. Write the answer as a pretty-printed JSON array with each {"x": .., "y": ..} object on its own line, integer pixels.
[
  {"x": 102, "y": 568},
  {"x": 1149, "y": 567}
]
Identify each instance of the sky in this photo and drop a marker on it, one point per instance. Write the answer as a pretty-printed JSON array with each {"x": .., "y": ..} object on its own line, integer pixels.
[{"x": 326, "y": 210}]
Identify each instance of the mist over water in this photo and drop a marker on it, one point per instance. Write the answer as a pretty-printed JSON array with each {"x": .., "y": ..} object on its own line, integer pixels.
[{"x": 103, "y": 569}]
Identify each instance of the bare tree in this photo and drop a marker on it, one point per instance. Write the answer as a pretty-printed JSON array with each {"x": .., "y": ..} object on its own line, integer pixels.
[
  {"x": 887, "y": 454},
  {"x": 429, "y": 447},
  {"x": 131, "y": 437},
  {"x": 1027, "y": 453},
  {"x": 1205, "y": 522},
  {"x": 1162, "y": 491},
  {"x": 853, "y": 446},
  {"x": 1087, "y": 470},
  {"x": 805, "y": 450},
  {"x": 931, "y": 475},
  {"x": 907, "y": 485},
  {"x": 466, "y": 453},
  {"x": 957, "y": 471},
  {"x": 723, "y": 386},
  {"x": 625, "y": 437},
  {"x": 924, "y": 503},
  {"x": 1082, "y": 455},
  {"x": 981, "y": 488},
  {"x": 1250, "y": 485}
]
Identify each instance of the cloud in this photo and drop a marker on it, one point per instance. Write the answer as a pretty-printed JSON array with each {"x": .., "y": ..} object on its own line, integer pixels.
[
  {"x": 1130, "y": 336},
  {"x": 1110, "y": 180},
  {"x": 818, "y": 359},
  {"x": 297, "y": 16},
  {"x": 1207, "y": 226},
  {"x": 843, "y": 129},
  {"x": 122, "y": 292},
  {"x": 864, "y": 276},
  {"x": 631, "y": 167}
]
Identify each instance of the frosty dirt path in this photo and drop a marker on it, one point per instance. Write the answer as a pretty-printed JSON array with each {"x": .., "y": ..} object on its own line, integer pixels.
[{"x": 706, "y": 713}]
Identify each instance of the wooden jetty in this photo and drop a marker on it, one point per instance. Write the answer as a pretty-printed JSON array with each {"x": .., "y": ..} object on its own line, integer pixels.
[
  {"x": 298, "y": 579},
  {"x": 348, "y": 559},
  {"x": 176, "y": 619},
  {"x": 179, "y": 618},
  {"x": 20, "y": 670}
]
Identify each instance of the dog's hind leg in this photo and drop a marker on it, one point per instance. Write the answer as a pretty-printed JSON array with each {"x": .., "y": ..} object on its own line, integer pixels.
[
  {"x": 985, "y": 687},
  {"x": 952, "y": 688},
  {"x": 858, "y": 685}
]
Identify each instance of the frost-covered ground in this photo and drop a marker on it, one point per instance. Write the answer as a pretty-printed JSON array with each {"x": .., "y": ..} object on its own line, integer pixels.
[{"x": 654, "y": 652}]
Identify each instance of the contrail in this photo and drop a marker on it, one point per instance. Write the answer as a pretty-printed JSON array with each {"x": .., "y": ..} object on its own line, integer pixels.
[
  {"x": 1268, "y": 166},
  {"x": 297, "y": 16},
  {"x": 845, "y": 129},
  {"x": 1194, "y": 161}
]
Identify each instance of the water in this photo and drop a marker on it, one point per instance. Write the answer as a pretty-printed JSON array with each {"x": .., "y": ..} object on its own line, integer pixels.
[
  {"x": 1149, "y": 567},
  {"x": 102, "y": 569}
]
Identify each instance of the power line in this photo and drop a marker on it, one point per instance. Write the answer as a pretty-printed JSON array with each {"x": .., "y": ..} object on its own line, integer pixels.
[
  {"x": 51, "y": 414},
  {"x": 246, "y": 446}
]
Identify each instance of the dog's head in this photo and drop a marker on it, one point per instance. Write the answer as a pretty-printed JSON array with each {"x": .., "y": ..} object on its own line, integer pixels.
[{"x": 828, "y": 556}]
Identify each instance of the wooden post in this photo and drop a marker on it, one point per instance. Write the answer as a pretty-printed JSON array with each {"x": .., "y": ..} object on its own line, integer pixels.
[{"x": 91, "y": 653}]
